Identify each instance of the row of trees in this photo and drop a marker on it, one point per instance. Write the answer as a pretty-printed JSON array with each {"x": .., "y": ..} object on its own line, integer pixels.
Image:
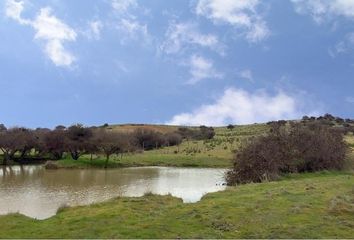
[
  {"x": 288, "y": 148},
  {"x": 19, "y": 144}
]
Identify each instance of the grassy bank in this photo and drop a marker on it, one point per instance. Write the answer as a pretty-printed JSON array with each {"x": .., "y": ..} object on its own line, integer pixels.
[
  {"x": 301, "y": 206},
  {"x": 147, "y": 159}
]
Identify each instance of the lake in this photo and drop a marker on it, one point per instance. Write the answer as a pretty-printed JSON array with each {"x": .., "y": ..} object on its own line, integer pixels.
[{"x": 38, "y": 193}]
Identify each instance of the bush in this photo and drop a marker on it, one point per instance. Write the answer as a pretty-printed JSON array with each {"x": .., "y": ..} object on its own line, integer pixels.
[
  {"x": 230, "y": 126},
  {"x": 173, "y": 139},
  {"x": 289, "y": 149},
  {"x": 148, "y": 139},
  {"x": 203, "y": 133}
]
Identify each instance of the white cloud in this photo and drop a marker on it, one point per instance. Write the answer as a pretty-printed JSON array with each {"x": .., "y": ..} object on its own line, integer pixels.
[
  {"x": 343, "y": 47},
  {"x": 238, "y": 106},
  {"x": 133, "y": 30},
  {"x": 247, "y": 74},
  {"x": 49, "y": 29},
  {"x": 243, "y": 15},
  {"x": 123, "y": 6},
  {"x": 14, "y": 9},
  {"x": 94, "y": 31},
  {"x": 322, "y": 10},
  {"x": 55, "y": 33},
  {"x": 201, "y": 68},
  {"x": 128, "y": 23},
  {"x": 181, "y": 35}
]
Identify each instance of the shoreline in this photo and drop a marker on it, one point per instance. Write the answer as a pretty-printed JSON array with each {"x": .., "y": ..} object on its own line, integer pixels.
[{"x": 237, "y": 212}]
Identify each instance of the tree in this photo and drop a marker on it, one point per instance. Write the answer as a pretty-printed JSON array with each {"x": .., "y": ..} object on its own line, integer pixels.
[
  {"x": 148, "y": 139},
  {"x": 26, "y": 141},
  {"x": 173, "y": 139},
  {"x": 230, "y": 126},
  {"x": 109, "y": 142},
  {"x": 77, "y": 140},
  {"x": 2, "y": 128},
  {"x": 55, "y": 143},
  {"x": 40, "y": 143},
  {"x": 8, "y": 144},
  {"x": 60, "y": 127}
]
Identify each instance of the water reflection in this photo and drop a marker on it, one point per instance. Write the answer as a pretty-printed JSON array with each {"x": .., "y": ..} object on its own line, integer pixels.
[{"x": 38, "y": 193}]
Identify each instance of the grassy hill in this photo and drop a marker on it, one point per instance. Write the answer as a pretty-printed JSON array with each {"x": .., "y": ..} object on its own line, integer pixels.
[{"x": 216, "y": 152}]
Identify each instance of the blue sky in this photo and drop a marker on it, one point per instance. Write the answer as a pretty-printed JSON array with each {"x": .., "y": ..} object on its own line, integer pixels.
[{"x": 187, "y": 62}]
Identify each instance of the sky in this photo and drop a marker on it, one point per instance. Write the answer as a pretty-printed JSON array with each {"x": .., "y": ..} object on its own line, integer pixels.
[{"x": 181, "y": 62}]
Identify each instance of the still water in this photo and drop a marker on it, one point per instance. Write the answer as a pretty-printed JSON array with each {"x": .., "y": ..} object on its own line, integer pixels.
[{"x": 38, "y": 193}]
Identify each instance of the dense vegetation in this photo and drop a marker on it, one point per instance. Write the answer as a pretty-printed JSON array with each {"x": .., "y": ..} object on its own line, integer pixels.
[
  {"x": 289, "y": 148},
  {"x": 22, "y": 144}
]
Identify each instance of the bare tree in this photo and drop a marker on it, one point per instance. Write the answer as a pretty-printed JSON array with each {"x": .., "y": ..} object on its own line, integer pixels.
[
  {"x": 77, "y": 140},
  {"x": 8, "y": 144},
  {"x": 109, "y": 142},
  {"x": 55, "y": 143}
]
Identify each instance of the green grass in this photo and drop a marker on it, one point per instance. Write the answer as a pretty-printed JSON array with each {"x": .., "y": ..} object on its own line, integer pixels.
[
  {"x": 147, "y": 159},
  {"x": 319, "y": 205},
  {"x": 217, "y": 152}
]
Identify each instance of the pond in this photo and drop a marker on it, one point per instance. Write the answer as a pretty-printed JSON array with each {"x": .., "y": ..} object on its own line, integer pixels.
[{"x": 38, "y": 193}]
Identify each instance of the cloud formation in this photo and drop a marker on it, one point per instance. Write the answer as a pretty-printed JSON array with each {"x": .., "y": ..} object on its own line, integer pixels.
[
  {"x": 128, "y": 23},
  {"x": 243, "y": 15},
  {"x": 95, "y": 28},
  {"x": 238, "y": 106},
  {"x": 123, "y": 6},
  {"x": 201, "y": 68},
  {"x": 180, "y": 36},
  {"x": 322, "y": 10},
  {"x": 49, "y": 29},
  {"x": 132, "y": 30},
  {"x": 344, "y": 46},
  {"x": 246, "y": 74}
]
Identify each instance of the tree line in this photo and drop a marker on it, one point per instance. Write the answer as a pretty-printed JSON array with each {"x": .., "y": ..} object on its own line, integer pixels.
[{"x": 19, "y": 144}]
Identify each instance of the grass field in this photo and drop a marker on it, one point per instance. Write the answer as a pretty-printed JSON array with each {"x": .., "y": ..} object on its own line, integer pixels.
[
  {"x": 319, "y": 205},
  {"x": 217, "y": 152}
]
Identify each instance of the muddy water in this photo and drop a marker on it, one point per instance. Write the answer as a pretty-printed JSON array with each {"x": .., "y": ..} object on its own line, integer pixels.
[{"x": 38, "y": 193}]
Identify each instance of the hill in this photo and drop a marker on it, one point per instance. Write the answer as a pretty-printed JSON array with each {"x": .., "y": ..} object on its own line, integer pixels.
[{"x": 215, "y": 152}]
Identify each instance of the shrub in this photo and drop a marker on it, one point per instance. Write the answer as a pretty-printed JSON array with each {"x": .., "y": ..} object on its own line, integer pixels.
[
  {"x": 173, "y": 139},
  {"x": 148, "y": 139},
  {"x": 289, "y": 149},
  {"x": 230, "y": 126},
  {"x": 203, "y": 133}
]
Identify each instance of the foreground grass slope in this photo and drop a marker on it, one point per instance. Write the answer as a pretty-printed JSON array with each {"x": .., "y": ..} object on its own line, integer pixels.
[{"x": 319, "y": 205}]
